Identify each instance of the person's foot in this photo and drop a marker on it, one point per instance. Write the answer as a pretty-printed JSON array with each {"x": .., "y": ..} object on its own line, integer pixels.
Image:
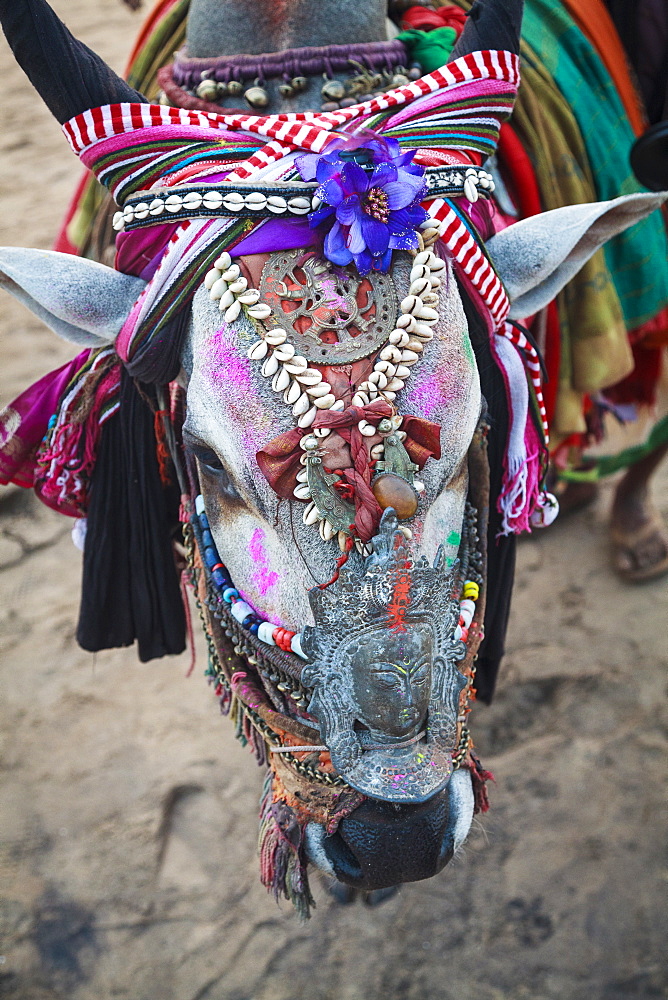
[{"x": 639, "y": 537}]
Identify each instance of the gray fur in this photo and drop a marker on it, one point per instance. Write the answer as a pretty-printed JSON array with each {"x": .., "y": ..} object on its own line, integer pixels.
[
  {"x": 230, "y": 27},
  {"x": 82, "y": 301},
  {"x": 538, "y": 256}
]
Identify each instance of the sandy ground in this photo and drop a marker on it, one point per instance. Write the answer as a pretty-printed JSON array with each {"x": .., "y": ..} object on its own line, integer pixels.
[{"x": 128, "y": 812}]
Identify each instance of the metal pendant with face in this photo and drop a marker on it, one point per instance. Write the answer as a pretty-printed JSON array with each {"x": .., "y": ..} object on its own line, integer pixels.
[{"x": 383, "y": 671}]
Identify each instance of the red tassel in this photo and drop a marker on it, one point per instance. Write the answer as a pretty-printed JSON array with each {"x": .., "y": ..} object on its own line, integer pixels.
[
  {"x": 340, "y": 563},
  {"x": 161, "y": 449},
  {"x": 479, "y": 779}
]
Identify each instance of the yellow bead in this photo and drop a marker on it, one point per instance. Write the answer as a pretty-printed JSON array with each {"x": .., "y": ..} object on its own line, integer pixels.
[{"x": 471, "y": 590}]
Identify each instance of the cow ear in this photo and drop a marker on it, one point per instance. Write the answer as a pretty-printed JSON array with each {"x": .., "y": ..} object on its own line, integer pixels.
[
  {"x": 535, "y": 258},
  {"x": 82, "y": 301}
]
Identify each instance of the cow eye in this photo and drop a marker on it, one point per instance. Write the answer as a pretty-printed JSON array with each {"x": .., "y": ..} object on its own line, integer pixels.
[{"x": 210, "y": 463}]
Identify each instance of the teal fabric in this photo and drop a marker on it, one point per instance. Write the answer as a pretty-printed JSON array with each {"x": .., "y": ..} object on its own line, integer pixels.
[{"x": 637, "y": 258}]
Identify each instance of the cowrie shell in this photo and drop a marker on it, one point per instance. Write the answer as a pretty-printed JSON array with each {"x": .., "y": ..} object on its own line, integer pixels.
[
  {"x": 409, "y": 357},
  {"x": 211, "y": 277},
  {"x": 224, "y": 261},
  {"x": 192, "y": 200},
  {"x": 302, "y": 492},
  {"x": 259, "y": 311},
  {"x": 276, "y": 204},
  {"x": 296, "y": 364},
  {"x": 327, "y": 531},
  {"x": 270, "y": 367},
  {"x": 390, "y": 353},
  {"x": 320, "y": 389},
  {"x": 233, "y": 311},
  {"x": 419, "y": 271},
  {"x": 218, "y": 289},
  {"x": 378, "y": 378},
  {"x": 232, "y": 273},
  {"x": 250, "y": 297},
  {"x": 360, "y": 399},
  {"x": 276, "y": 336},
  {"x": 292, "y": 393},
  {"x": 307, "y": 418},
  {"x": 280, "y": 381},
  {"x": 258, "y": 350},
  {"x": 309, "y": 377},
  {"x": 399, "y": 338},
  {"x": 419, "y": 286},
  {"x": 302, "y": 405},
  {"x": 395, "y": 385},
  {"x": 240, "y": 285},
  {"x": 284, "y": 352},
  {"x": 212, "y": 199},
  {"x": 365, "y": 428},
  {"x": 174, "y": 203},
  {"x": 325, "y": 402},
  {"x": 410, "y": 304},
  {"x": 156, "y": 207},
  {"x": 311, "y": 515},
  {"x": 141, "y": 210}
]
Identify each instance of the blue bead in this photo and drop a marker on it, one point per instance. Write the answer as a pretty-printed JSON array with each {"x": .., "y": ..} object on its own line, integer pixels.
[
  {"x": 207, "y": 539},
  {"x": 220, "y": 579},
  {"x": 52, "y": 421},
  {"x": 211, "y": 556},
  {"x": 230, "y": 594},
  {"x": 255, "y": 626},
  {"x": 204, "y": 522}
]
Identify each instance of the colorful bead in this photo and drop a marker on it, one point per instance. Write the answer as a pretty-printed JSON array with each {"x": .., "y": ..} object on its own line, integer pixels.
[
  {"x": 230, "y": 595},
  {"x": 240, "y": 610}
]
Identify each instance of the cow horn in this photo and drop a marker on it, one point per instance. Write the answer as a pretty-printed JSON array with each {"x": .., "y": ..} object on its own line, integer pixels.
[{"x": 491, "y": 24}]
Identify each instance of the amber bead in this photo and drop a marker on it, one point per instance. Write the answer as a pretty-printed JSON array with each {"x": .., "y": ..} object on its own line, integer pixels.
[{"x": 393, "y": 491}]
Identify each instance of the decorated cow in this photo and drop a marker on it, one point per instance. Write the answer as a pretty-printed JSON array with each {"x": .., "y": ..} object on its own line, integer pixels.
[{"x": 308, "y": 356}]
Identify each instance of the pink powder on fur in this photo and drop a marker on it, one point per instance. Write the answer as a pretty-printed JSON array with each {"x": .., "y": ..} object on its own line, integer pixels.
[
  {"x": 226, "y": 361},
  {"x": 426, "y": 398},
  {"x": 264, "y": 578}
]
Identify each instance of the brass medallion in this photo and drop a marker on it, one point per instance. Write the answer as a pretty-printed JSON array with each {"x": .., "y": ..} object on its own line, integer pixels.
[{"x": 331, "y": 314}]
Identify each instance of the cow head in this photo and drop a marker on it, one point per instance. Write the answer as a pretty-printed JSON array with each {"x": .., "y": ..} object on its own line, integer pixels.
[{"x": 380, "y": 674}]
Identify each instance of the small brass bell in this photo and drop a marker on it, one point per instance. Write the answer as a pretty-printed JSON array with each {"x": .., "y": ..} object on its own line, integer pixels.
[
  {"x": 286, "y": 90},
  {"x": 234, "y": 88},
  {"x": 399, "y": 80},
  {"x": 333, "y": 90},
  {"x": 207, "y": 90},
  {"x": 222, "y": 89},
  {"x": 257, "y": 96},
  {"x": 299, "y": 83}
]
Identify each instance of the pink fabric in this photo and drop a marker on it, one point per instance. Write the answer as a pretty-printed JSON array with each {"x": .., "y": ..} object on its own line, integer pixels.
[{"x": 24, "y": 423}]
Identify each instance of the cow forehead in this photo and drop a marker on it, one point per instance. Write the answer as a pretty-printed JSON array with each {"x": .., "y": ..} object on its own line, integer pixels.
[{"x": 232, "y": 407}]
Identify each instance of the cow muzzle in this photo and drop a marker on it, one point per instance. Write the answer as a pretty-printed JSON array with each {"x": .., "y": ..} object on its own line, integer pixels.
[{"x": 382, "y": 844}]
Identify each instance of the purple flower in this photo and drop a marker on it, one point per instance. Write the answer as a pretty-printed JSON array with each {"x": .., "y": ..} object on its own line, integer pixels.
[{"x": 370, "y": 192}]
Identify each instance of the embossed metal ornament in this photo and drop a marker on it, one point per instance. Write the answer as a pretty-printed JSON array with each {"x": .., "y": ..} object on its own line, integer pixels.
[
  {"x": 383, "y": 670},
  {"x": 331, "y": 315}
]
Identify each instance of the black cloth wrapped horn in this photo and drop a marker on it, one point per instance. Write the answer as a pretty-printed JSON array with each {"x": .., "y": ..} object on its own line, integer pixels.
[
  {"x": 491, "y": 24},
  {"x": 69, "y": 77}
]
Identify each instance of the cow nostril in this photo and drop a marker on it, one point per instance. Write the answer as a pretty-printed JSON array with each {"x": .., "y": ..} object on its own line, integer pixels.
[{"x": 343, "y": 861}]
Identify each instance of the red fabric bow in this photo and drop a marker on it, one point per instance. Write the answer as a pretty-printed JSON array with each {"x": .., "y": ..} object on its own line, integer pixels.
[{"x": 279, "y": 459}]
